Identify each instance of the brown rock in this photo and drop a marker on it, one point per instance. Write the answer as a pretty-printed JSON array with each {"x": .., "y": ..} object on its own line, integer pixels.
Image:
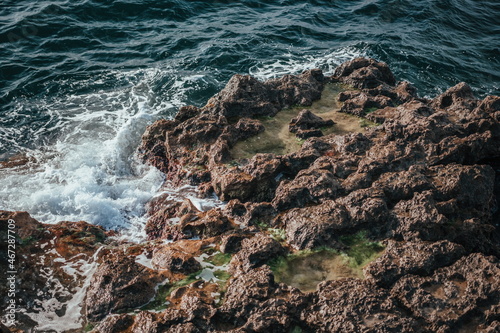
[
  {"x": 316, "y": 226},
  {"x": 25, "y": 225},
  {"x": 207, "y": 224},
  {"x": 231, "y": 242},
  {"x": 75, "y": 238},
  {"x": 364, "y": 73},
  {"x": 255, "y": 252},
  {"x": 244, "y": 95},
  {"x": 247, "y": 292},
  {"x": 307, "y": 120},
  {"x": 174, "y": 260},
  {"x": 360, "y": 102},
  {"x": 254, "y": 182},
  {"x": 187, "y": 112},
  {"x": 352, "y": 305},
  {"x": 470, "y": 186},
  {"x": 309, "y": 186},
  {"x": 119, "y": 283},
  {"x": 115, "y": 324},
  {"x": 456, "y": 98},
  {"x": 453, "y": 295},
  {"x": 417, "y": 258},
  {"x": 152, "y": 147}
]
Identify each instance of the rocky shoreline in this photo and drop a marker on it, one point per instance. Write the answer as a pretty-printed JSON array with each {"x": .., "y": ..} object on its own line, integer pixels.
[{"x": 404, "y": 210}]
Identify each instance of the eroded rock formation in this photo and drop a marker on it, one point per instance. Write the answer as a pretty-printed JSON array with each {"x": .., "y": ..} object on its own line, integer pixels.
[{"x": 424, "y": 182}]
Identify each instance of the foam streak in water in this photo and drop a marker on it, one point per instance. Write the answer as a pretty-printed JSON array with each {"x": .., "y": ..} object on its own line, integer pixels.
[{"x": 295, "y": 64}]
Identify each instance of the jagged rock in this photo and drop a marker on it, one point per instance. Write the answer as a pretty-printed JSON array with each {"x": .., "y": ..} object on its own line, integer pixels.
[
  {"x": 364, "y": 73},
  {"x": 321, "y": 225},
  {"x": 247, "y": 292},
  {"x": 367, "y": 208},
  {"x": 244, "y": 95},
  {"x": 419, "y": 218},
  {"x": 352, "y": 305},
  {"x": 255, "y": 252},
  {"x": 307, "y": 124},
  {"x": 309, "y": 186},
  {"x": 425, "y": 182},
  {"x": 50, "y": 263},
  {"x": 417, "y": 258},
  {"x": 76, "y": 238},
  {"x": 316, "y": 226},
  {"x": 359, "y": 103},
  {"x": 25, "y": 225},
  {"x": 207, "y": 224},
  {"x": 176, "y": 261},
  {"x": 231, "y": 243},
  {"x": 114, "y": 324},
  {"x": 454, "y": 295},
  {"x": 164, "y": 214},
  {"x": 187, "y": 112},
  {"x": 468, "y": 186},
  {"x": 254, "y": 182},
  {"x": 398, "y": 186},
  {"x": 119, "y": 283},
  {"x": 250, "y": 213},
  {"x": 152, "y": 148},
  {"x": 456, "y": 99}
]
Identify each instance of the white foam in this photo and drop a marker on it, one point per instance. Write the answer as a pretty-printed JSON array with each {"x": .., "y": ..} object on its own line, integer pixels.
[
  {"x": 207, "y": 273},
  {"x": 191, "y": 193},
  {"x": 296, "y": 63},
  {"x": 143, "y": 260},
  {"x": 46, "y": 316},
  {"x": 90, "y": 172}
]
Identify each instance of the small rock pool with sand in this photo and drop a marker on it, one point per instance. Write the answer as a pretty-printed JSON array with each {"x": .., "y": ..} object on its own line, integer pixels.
[
  {"x": 306, "y": 269},
  {"x": 277, "y": 139}
]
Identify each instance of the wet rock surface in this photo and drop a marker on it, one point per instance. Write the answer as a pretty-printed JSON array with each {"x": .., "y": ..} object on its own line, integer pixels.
[
  {"x": 119, "y": 283},
  {"x": 52, "y": 265},
  {"x": 423, "y": 181}
]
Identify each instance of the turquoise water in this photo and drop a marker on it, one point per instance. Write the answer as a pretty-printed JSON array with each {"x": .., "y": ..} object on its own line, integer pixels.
[{"x": 80, "y": 80}]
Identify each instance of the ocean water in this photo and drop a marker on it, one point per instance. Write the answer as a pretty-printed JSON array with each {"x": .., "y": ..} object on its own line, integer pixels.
[{"x": 81, "y": 79}]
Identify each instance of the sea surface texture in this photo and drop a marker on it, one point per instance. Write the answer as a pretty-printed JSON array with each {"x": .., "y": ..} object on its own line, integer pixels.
[{"x": 81, "y": 79}]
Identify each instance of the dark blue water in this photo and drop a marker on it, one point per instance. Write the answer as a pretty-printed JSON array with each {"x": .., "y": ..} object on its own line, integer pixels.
[{"x": 80, "y": 79}]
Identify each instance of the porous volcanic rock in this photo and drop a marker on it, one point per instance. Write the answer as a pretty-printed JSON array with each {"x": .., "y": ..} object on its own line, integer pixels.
[
  {"x": 417, "y": 258},
  {"x": 460, "y": 295},
  {"x": 164, "y": 257},
  {"x": 352, "y": 305},
  {"x": 119, "y": 283},
  {"x": 199, "y": 138},
  {"x": 255, "y": 252},
  {"x": 424, "y": 180}
]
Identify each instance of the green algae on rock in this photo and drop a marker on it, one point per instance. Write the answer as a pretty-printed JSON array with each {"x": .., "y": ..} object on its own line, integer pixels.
[{"x": 307, "y": 268}]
